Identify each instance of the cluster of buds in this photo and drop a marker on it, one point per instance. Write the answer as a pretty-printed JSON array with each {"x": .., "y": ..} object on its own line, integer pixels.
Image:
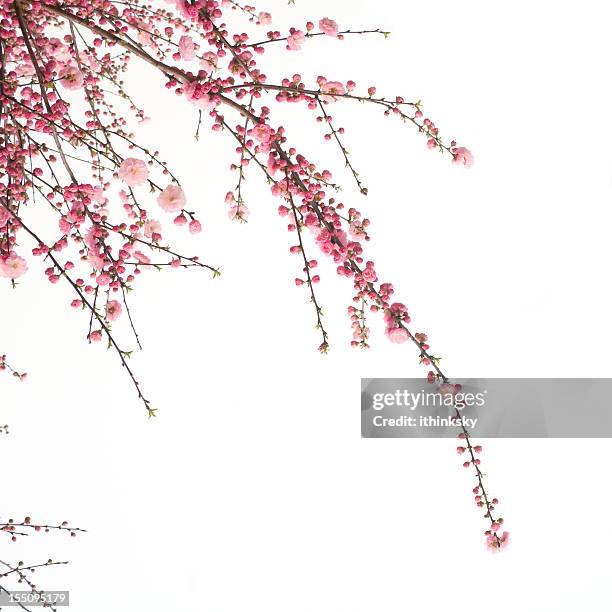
[
  {"x": 5, "y": 366},
  {"x": 17, "y": 529}
]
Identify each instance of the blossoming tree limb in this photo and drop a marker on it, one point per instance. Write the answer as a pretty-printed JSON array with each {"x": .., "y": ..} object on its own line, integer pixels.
[{"x": 63, "y": 102}]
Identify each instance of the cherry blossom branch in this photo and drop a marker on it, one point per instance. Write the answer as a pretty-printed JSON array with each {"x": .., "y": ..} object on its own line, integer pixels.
[
  {"x": 26, "y": 527},
  {"x": 123, "y": 355},
  {"x": 6, "y": 366},
  {"x": 308, "y": 265},
  {"x": 229, "y": 77},
  {"x": 335, "y": 134},
  {"x": 274, "y": 39}
]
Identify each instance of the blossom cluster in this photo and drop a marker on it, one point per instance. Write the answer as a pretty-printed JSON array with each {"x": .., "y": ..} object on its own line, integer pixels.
[{"x": 68, "y": 154}]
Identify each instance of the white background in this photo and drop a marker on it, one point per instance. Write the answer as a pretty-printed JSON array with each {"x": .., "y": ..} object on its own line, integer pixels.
[{"x": 253, "y": 489}]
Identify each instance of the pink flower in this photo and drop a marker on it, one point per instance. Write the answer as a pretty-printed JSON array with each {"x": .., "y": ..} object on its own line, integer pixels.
[
  {"x": 335, "y": 88},
  {"x": 141, "y": 257},
  {"x": 152, "y": 227},
  {"x": 195, "y": 227},
  {"x": 263, "y": 133},
  {"x": 95, "y": 336},
  {"x": 58, "y": 50},
  {"x": 13, "y": 266},
  {"x": 357, "y": 231},
  {"x": 264, "y": 18},
  {"x": 194, "y": 93},
  {"x": 90, "y": 59},
  {"x": 295, "y": 41},
  {"x": 397, "y": 310},
  {"x": 133, "y": 171},
  {"x": 398, "y": 335},
  {"x": 95, "y": 261},
  {"x": 209, "y": 61},
  {"x": 448, "y": 389},
  {"x": 463, "y": 156},
  {"x": 144, "y": 37},
  {"x": 5, "y": 215},
  {"x": 328, "y": 26},
  {"x": 238, "y": 212},
  {"x": 369, "y": 274},
  {"x": 172, "y": 198},
  {"x": 187, "y": 47},
  {"x": 98, "y": 196},
  {"x": 113, "y": 310},
  {"x": 496, "y": 543},
  {"x": 71, "y": 77}
]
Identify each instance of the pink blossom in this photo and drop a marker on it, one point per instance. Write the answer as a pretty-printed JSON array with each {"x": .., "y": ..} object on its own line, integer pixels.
[
  {"x": 58, "y": 50},
  {"x": 328, "y": 26},
  {"x": 71, "y": 77},
  {"x": 357, "y": 231},
  {"x": 496, "y": 543},
  {"x": 133, "y": 171},
  {"x": 172, "y": 198},
  {"x": 98, "y": 196},
  {"x": 238, "y": 212},
  {"x": 90, "y": 238},
  {"x": 263, "y": 133},
  {"x": 209, "y": 61},
  {"x": 369, "y": 274},
  {"x": 335, "y": 88},
  {"x": 448, "y": 389},
  {"x": 113, "y": 310},
  {"x": 5, "y": 215},
  {"x": 152, "y": 227},
  {"x": 13, "y": 266},
  {"x": 25, "y": 68},
  {"x": 398, "y": 335},
  {"x": 95, "y": 261},
  {"x": 295, "y": 40},
  {"x": 90, "y": 59},
  {"x": 144, "y": 37},
  {"x": 141, "y": 257},
  {"x": 463, "y": 156},
  {"x": 397, "y": 310},
  {"x": 197, "y": 96},
  {"x": 264, "y": 18},
  {"x": 187, "y": 47},
  {"x": 195, "y": 227},
  {"x": 95, "y": 336}
]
